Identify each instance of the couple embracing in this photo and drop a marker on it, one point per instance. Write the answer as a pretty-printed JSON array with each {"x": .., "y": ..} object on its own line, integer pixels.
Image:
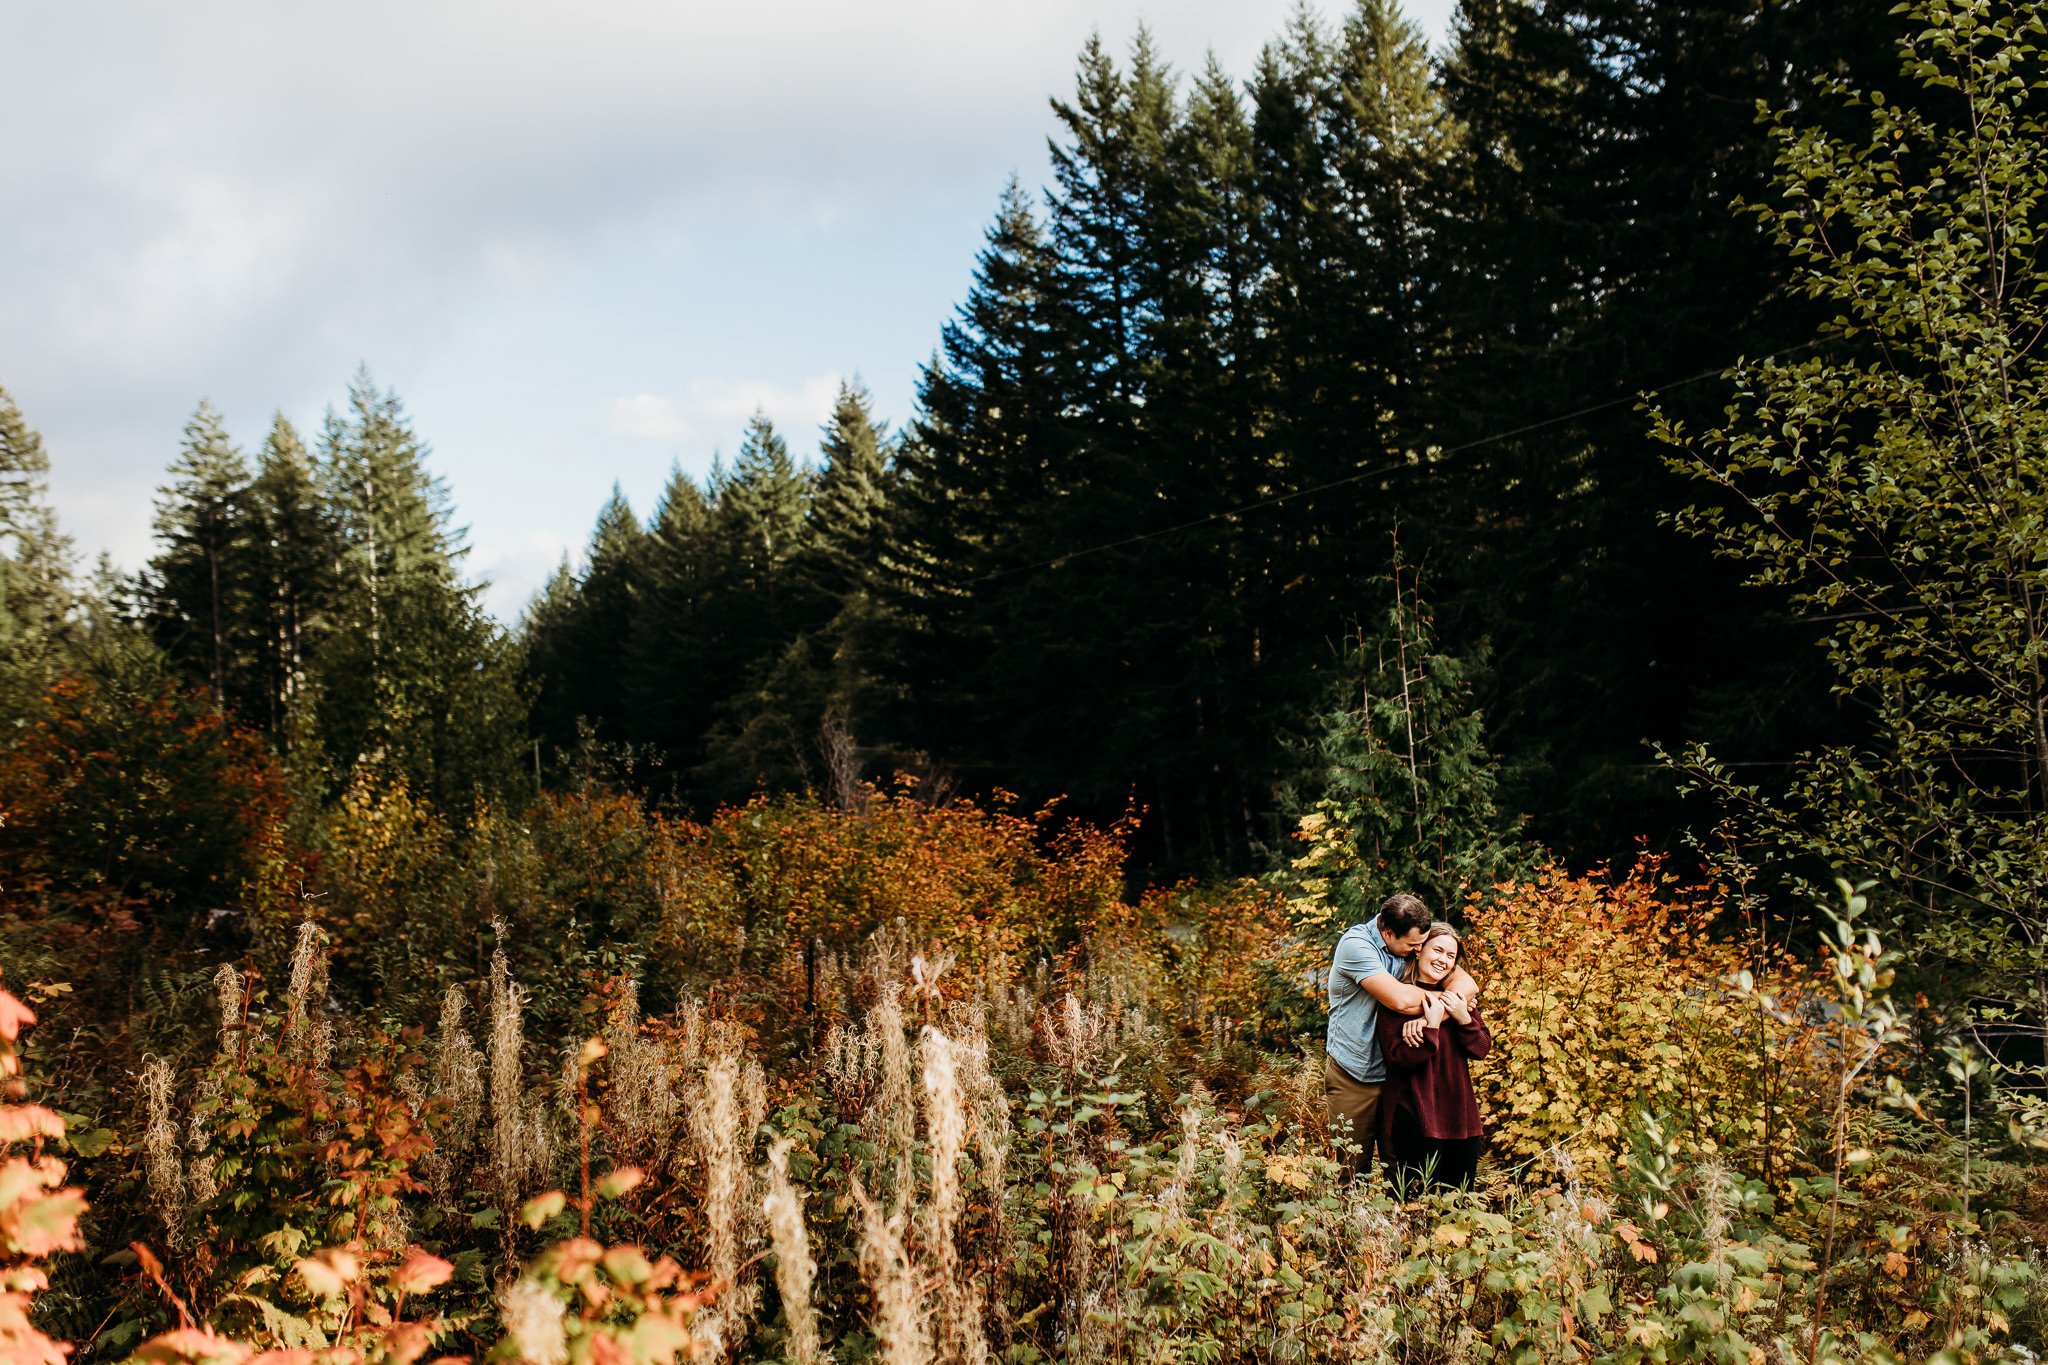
[{"x": 1404, "y": 1024}]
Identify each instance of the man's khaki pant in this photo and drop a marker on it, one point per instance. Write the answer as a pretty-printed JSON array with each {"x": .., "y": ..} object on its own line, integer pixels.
[{"x": 1354, "y": 1115}]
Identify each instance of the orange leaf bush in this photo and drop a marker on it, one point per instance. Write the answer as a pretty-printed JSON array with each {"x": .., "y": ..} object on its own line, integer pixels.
[{"x": 771, "y": 876}]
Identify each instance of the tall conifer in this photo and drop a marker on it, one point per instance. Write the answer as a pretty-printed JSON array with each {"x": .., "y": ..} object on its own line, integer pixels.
[
  {"x": 1403, "y": 787},
  {"x": 849, "y": 510},
  {"x": 579, "y": 628},
  {"x": 668, "y": 691},
  {"x": 1595, "y": 253},
  {"x": 201, "y": 575},
  {"x": 294, "y": 560},
  {"x": 414, "y": 678},
  {"x": 36, "y": 595},
  {"x": 770, "y": 730}
]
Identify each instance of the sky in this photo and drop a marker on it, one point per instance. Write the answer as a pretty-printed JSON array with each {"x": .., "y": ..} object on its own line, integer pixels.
[{"x": 584, "y": 243}]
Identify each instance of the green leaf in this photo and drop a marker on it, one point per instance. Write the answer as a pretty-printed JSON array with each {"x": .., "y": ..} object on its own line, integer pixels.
[{"x": 91, "y": 1143}]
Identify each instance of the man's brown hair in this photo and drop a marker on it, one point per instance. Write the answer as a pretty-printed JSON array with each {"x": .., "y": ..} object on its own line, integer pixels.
[{"x": 1404, "y": 913}]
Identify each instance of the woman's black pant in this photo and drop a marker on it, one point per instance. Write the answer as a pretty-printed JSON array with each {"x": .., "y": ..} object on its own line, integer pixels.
[{"x": 1418, "y": 1162}]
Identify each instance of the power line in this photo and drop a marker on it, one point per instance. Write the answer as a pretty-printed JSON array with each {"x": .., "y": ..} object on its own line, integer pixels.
[{"x": 1394, "y": 468}]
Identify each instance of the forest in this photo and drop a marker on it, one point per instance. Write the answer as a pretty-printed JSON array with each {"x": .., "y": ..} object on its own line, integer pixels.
[{"x": 1593, "y": 476}]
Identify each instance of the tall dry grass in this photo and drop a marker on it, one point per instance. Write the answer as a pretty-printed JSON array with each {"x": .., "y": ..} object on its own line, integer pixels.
[
  {"x": 521, "y": 1145},
  {"x": 899, "y": 1319},
  {"x": 795, "y": 1268},
  {"x": 725, "y": 1114},
  {"x": 643, "y": 1104},
  {"x": 959, "y": 1335},
  {"x": 163, "y": 1163},
  {"x": 457, "y": 1081}
]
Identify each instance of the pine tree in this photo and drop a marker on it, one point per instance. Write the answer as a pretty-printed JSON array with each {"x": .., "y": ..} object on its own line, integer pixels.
[
  {"x": 296, "y": 553},
  {"x": 1895, "y": 483},
  {"x": 547, "y": 631},
  {"x": 1595, "y": 253},
  {"x": 848, "y": 512},
  {"x": 758, "y": 522},
  {"x": 575, "y": 636},
  {"x": 24, "y": 472},
  {"x": 988, "y": 420},
  {"x": 668, "y": 693},
  {"x": 36, "y": 597},
  {"x": 201, "y": 576},
  {"x": 414, "y": 678},
  {"x": 1391, "y": 139},
  {"x": 769, "y": 732},
  {"x": 392, "y": 513},
  {"x": 757, "y": 603},
  {"x": 1404, "y": 787},
  {"x": 1110, "y": 176}
]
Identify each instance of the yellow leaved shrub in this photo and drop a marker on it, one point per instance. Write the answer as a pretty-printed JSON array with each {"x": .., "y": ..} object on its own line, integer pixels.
[{"x": 1613, "y": 996}]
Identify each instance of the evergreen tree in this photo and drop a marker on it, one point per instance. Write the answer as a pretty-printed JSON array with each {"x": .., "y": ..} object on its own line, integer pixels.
[
  {"x": 1220, "y": 309},
  {"x": 1324, "y": 297},
  {"x": 771, "y": 729},
  {"x": 989, "y": 413},
  {"x": 200, "y": 579},
  {"x": 848, "y": 512},
  {"x": 1896, "y": 484},
  {"x": 1404, "y": 786},
  {"x": 413, "y": 677},
  {"x": 577, "y": 630},
  {"x": 758, "y": 521},
  {"x": 36, "y": 597},
  {"x": 757, "y": 603},
  {"x": 1595, "y": 253},
  {"x": 295, "y": 556},
  {"x": 668, "y": 692}
]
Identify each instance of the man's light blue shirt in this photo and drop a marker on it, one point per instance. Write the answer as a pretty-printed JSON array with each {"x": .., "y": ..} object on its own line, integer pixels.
[{"x": 1352, "y": 1041}]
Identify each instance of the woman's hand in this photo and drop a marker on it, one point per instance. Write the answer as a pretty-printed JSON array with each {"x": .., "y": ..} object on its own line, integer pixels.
[
  {"x": 1431, "y": 1016},
  {"x": 1457, "y": 1006}
]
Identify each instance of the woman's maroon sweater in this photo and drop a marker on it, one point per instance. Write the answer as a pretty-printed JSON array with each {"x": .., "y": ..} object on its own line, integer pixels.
[{"x": 1431, "y": 1079}]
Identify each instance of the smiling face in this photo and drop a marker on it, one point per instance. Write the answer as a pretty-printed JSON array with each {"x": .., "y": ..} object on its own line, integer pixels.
[{"x": 1436, "y": 958}]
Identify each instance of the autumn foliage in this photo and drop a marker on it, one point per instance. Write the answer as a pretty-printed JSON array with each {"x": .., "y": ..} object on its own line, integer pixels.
[
  {"x": 1612, "y": 997},
  {"x": 39, "y": 1213},
  {"x": 906, "y": 1078},
  {"x": 127, "y": 798}
]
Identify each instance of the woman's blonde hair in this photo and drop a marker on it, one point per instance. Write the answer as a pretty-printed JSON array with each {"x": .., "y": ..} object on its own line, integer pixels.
[{"x": 1412, "y": 972}]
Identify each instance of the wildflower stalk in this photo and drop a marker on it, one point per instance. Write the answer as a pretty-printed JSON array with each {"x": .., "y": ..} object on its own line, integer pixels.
[
  {"x": 885, "y": 1268},
  {"x": 795, "y": 1269}
]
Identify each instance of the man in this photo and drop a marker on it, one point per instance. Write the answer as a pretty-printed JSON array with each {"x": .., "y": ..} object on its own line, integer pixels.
[{"x": 1365, "y": 977}]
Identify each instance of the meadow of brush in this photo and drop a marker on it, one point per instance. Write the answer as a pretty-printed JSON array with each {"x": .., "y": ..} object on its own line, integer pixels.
[{"x": 908, "y": 1079}]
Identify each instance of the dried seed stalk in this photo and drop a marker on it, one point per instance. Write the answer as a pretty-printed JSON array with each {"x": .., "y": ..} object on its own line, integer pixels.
[
  {"x": 795, "y": 1269},
  {"x": 959, "y": 1336},
  {"x": 163, "y": 1165},
  {"x": 885, "y": 1268}
]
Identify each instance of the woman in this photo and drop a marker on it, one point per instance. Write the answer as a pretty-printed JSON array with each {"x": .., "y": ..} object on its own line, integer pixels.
[{"x": 1429, "y": 1117}]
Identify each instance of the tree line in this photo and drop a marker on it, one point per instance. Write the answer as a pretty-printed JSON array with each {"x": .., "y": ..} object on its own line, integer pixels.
[
  {"x": 1264, "y": 350},
  {"x": 1257, "y": 343},
  {"x": 316, "y": 595}
]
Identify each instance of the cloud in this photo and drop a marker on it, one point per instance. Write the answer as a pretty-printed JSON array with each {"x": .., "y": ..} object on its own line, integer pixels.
[
  {"x": 713, "y": 412},
  {"x": 647, "y": 417}
]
